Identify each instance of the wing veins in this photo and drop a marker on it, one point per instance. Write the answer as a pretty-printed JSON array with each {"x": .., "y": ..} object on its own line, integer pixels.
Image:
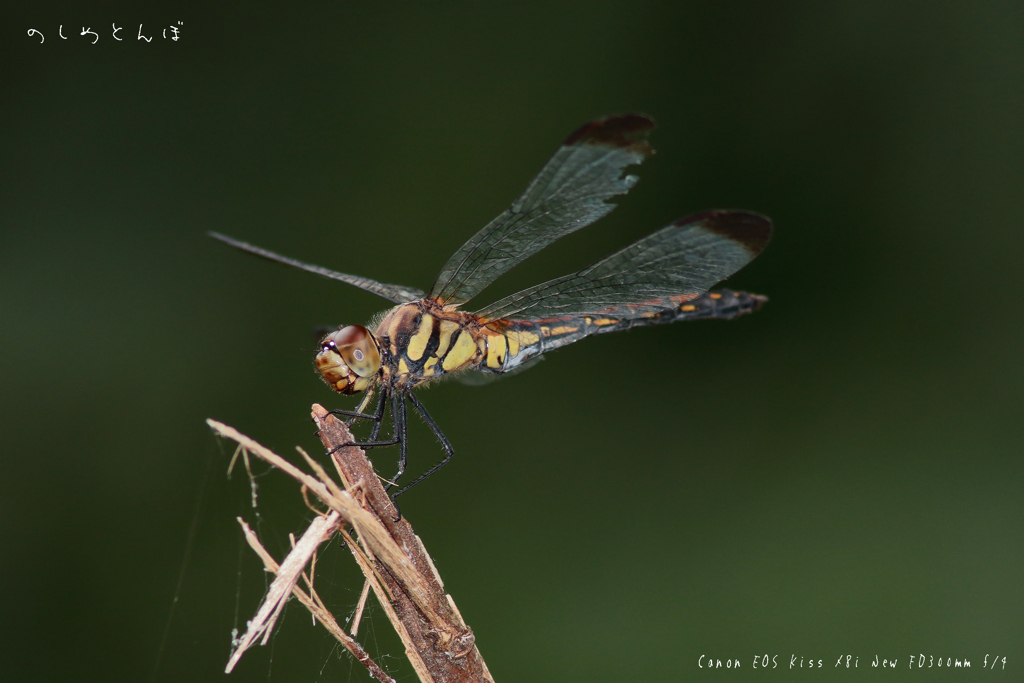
[
  {"x": 684, "y": 259},
  {"x": 515, "y": 214},
  {"x": 395, "y": 293},
  {"x": 572, "y": 190}
]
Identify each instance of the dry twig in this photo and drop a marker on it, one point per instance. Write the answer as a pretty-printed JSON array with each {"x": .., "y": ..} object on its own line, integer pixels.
[{"x": 397, "y": 567}]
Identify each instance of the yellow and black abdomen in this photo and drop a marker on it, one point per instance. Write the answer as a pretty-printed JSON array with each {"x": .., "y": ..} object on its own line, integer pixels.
[
  {"x": 723, "y": 304},
  {"x": 523, "y": 340},
  {"x": 426, "y": 341}
]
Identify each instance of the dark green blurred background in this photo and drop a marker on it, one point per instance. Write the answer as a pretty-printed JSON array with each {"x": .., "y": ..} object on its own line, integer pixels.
[{"x": 840, "y": 473}]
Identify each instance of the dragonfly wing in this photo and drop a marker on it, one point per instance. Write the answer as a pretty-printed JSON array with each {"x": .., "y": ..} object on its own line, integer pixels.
[
  {"x": 480, "y": 377},
  {"x": 396, "y": 293},
  {"x": 570, "y": 192},
  {"x": 673, "y": 265}
]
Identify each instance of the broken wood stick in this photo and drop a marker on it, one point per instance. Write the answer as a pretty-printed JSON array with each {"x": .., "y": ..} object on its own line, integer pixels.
[{"x": 439, "y": 644}]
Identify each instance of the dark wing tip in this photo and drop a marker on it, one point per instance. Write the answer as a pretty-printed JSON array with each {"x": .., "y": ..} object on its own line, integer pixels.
[
  {"x": 752, "y": 230},
  {"x": 626, "y": 131}
]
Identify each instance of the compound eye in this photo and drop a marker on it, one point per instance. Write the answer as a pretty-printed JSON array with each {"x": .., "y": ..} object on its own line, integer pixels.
[
  {"x": 358, "y": 349},
  {"x": 351, "y": 334}
]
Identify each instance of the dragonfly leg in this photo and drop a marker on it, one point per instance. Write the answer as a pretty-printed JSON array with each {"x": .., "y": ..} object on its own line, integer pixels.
[
  {"x": 377, "y": 424},
  {"x": 358, "y": 413},
  {"x": 445, "y": 444},
  {"x": 399, "y": 415},
  {"x": 378, "y": 420}
]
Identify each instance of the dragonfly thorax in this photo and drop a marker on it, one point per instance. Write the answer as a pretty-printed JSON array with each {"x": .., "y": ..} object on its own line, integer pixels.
[
  {"x": 424, "y": 340},
  {"x": 349, "y": 358}
]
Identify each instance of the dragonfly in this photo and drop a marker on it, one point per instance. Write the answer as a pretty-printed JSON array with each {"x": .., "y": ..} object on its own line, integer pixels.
[{"x": 662, "y": 278}]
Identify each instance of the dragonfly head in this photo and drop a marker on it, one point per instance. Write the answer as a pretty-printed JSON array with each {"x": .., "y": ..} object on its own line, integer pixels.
[{"x": 348, "y": 359}]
